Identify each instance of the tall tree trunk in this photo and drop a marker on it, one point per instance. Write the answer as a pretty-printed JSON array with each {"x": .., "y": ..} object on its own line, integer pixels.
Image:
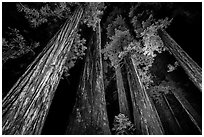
[
  {"x": 123, "y": 104},
  {"x": 169, "y": 121},
  {"x": 187, "y": 125},
  {"x": 193, "y": 115},
  {"x": 26, "y": 105},
  {"x": 174, "y": 123},
  {"x": 89, "y": 113},
  {"x": 145, "y": 116},
  {"x": 191, "y": 68}
]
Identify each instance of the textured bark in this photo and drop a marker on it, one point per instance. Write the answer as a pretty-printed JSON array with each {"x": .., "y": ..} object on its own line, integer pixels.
[
  {"x": 145, "y": 116},
  {"x": 123, "y": 104},
  {"x": 191, "y": 68},
  {"x": 176, "y": 125},
  {"x": 89, "y": 113},
  {"x": 26, "y": 105},
  {"x": 193, "y": 115},
  {"x": 169, "y": 121}
]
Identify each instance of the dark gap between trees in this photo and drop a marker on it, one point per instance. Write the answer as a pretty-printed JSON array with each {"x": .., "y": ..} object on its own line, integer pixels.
[{"x": 63, "y": 102}]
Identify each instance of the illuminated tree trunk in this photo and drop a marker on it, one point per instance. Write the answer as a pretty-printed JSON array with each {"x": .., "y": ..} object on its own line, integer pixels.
[
  {"x": 89, "y": 113},
  {"x": 191, "y": 68},
  {"x": 123, "y": 104},
  {"x": 146, "y": 119},
  {"x": 26, "y": 105}
]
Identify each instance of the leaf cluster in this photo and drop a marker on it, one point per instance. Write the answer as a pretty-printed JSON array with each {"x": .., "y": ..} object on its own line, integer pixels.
[
  {"x": 172, "y": 67},
  {"x": 118, "y": 42},
  {"x": 142, "y": 51},
  {"x": 77, "y": 51},
  {"x": 93, "y": 13},
  {"x": 46, "y": 12},
  {"x": 122, "y": 125},
  {"x": 16, "y": 45}
]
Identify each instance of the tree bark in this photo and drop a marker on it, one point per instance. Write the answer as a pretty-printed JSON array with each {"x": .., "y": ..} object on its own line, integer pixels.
[
  {"x": 89, "y": 113},
  {"x": 146, "y": 119},
  {"x": 174, "y": 124},
  {"x": 193, "y": 115},
  {"x": 169, "y": 121},
  {"x": 26, "y": 105},
  {"x": 123, "y": 104},
  {"x": 189, "y": 65}
]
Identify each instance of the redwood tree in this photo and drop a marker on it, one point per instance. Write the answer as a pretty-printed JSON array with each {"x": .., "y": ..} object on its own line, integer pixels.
[
  {"x": 89, "y": 116},
  {"x": 135, "y": 36},
  {"x": 146, "y": 118},
  {"x": 189, "y": 65},
  {"x": 26, "y": 105}
]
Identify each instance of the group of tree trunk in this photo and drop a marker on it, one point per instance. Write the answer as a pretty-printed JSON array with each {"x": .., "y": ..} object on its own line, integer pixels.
[{"x": 26, "y": 105}]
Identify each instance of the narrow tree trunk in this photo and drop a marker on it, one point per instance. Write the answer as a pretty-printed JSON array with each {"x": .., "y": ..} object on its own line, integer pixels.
[
  {"x": 26, "y": 105},
  {"x": 123, "y": 104},
  {"x": 169, "y": 121},
  {"x": 191, "y": 68},
  {"x": 175, "y": 123},
  {"x": 145, "y": 117},
  {"x": 193, "y": 115},
  {"x": 89, "y": 113}
]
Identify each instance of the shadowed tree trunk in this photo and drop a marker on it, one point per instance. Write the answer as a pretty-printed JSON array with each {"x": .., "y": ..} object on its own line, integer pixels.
[
  {"x": 123, "y": 104},
  {"x": 187, "y": 125},
  {"x": 193, "y": 115},
  {"x": 191, "y": 68},
  {"x": 169, "y": 121},
  {"x": 26, "y": 105},
  {"x": 146, "y": 119},
  {"x": 89, "y": 113}
]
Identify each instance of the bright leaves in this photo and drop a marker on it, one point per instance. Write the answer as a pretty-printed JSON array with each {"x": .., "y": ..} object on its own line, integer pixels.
[
  {"x": 93, "y": 13},
  {"x": 142, "y": 49},
  {"x": 77, "y": 52},
  {"x": 123, "y": 126},
  {"x": 47, "y": 13}
]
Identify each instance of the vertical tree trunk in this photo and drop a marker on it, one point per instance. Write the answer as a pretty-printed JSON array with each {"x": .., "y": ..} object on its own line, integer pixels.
[
  {"x": 191, "y": 68},
  {"x": 145, "y": 118},
  {"x": 26, "y": 105},
  {"x": 89, "y": 113},
  {"x": 123, "y": 104}
]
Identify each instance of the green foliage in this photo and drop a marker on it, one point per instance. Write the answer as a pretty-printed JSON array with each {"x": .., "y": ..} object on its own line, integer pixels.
[
  {"x": 112, "y": 15},
  {"x": 77, "y": 51},
  {"x": 143, "y": 50},
  {"x": 123, "y": 126},
  {"x": 119, "y": 38},
  {"x": 152, "y": 41},
  {"x": 142, "y": 19},
  {"x": 152, "y": 44},
  {"x": 93, "y": 13},
  {"x": 45, "y": 12},
  {"x": 112, "y": 50},
  {"x": 117, "y": 24},
  {"x": 16, "y": 46}
]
